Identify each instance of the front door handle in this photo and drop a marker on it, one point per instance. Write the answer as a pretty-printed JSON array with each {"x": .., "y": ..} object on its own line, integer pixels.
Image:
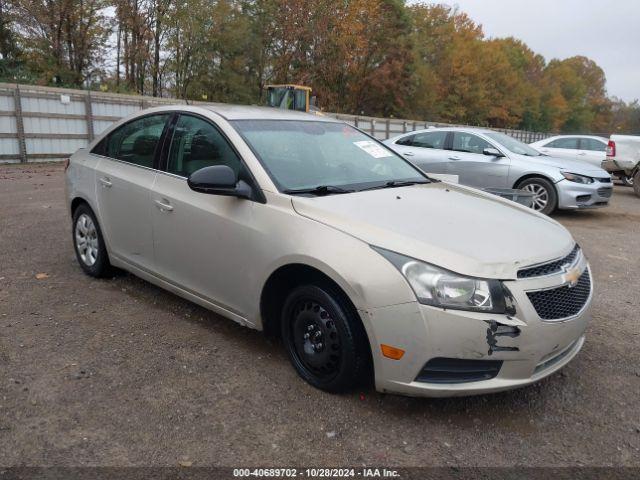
[
  {"x": 409, "y": 154},
  {"x": 454, "y": 158},
  {"x": 582, "y": 154},
  {"x": 106, "y": 182},
  {"x": 164, "y": 205}
]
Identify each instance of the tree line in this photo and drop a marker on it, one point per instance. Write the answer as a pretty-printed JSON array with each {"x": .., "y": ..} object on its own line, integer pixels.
[{"x": 369, "y": 57}]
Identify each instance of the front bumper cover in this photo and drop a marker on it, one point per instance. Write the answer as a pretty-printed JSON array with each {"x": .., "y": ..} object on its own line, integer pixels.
[{"x": 529, "y": 347}]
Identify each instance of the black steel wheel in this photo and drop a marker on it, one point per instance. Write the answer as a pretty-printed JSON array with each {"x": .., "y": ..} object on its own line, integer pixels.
[{"x": 324, "y": 338}]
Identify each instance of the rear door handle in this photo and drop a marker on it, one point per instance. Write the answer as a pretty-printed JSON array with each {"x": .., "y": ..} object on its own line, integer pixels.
[
  {"x": 164, "y": 205},
  {"x": 582, "y": 154},
  {"x": 409, "y": 154},
  {"x": 106, "y": 182},
  {"x": 454, "y": 158}
]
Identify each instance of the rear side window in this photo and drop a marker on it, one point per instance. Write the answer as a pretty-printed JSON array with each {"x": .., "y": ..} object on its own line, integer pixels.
[
  {"x": 592, "y": 145},
  {"x": 567, "y": 143},
  {"x": 197, "y": 144},
  {"x": 430, "y": 140},
  {"x": 136, "y": 141},
  {"x": 469, "y": 143},
  {"x": 407, "y": 141}
]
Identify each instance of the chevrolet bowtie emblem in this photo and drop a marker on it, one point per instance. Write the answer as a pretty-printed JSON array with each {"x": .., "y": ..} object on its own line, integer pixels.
[{"x": 572, "y": 276}]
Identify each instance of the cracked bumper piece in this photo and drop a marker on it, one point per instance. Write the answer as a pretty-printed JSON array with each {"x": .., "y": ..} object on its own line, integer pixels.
[{"x": 456, "y": 353}]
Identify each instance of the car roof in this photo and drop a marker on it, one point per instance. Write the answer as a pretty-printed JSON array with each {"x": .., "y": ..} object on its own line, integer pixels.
[
  {"x": 450, "y": 129},
  {"x": 253, "y": 112},
  {"x": 240, "y": 112}
]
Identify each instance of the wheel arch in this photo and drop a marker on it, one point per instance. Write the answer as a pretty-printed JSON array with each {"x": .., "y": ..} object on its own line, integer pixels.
[
  {"x": 535, "y": 175},
  {"x": 282, "y": 280}
]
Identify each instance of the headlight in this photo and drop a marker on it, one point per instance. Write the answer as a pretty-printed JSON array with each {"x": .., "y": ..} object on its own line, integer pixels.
[
  {"x": 574, "y": 177},
  {"x": 442, "y": 288}
]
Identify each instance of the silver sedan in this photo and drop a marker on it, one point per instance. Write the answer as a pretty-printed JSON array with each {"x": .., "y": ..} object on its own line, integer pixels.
[{"x": 488, "y": 159}]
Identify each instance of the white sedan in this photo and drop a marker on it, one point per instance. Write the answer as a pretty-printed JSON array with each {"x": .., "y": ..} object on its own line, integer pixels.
[{"x": 591, "y": 149}]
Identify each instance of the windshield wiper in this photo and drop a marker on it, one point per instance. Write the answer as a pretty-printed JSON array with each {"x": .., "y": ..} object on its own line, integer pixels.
[
  {"x": 319, "y": 190},
  {"x": 397, "y": 183}
]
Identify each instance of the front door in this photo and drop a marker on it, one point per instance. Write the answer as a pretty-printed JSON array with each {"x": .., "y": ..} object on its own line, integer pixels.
[
  {"x": 593, "y": 151},
  {"x": 124, "y": 178},
  {"x": 473, "y": 167},
  {"x": 202, "y": 242}
]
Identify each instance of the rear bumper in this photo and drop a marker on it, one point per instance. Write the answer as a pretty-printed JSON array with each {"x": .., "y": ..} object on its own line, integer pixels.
[
  {"x": 620, "y": 168},
  {"x": 525, "y": 348},
  {"x": 573, "y": 195}
]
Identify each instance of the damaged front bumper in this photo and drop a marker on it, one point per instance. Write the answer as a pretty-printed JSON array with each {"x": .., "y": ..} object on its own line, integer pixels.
[{"x": 455, "y": 353}]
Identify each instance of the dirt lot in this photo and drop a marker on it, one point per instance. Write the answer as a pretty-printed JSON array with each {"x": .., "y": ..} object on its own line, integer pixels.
[{"x": 118, "y": 372}]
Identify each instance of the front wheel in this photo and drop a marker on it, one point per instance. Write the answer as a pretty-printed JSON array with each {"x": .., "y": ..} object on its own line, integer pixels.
[
  {"x": 545, "y": 198},
  {"x": 636, "y": 183},
  {"x": 324, "y": 339}
]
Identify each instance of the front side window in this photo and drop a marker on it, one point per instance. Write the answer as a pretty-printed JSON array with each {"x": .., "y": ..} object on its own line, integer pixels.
[
  {"x": 430, "y": 140},
  {"x": 564, "y": 143},
  {"x": 197, "y": 144},
  {"x": 592, "y": 145},
  {"x": 307, "y": 154},
  {"x": 467, "y": 142},
  {"x": 513, "y": 145},
  {"x": 136, "y": 141}
]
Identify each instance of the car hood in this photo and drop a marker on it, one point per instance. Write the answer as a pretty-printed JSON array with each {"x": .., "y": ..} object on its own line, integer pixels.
[
  {"x": 580, "y": 167},
  {"x": 457, "y": 228}
]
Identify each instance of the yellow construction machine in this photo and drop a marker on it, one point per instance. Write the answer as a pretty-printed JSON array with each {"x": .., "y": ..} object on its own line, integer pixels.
[{"x": 291, "y": 97}]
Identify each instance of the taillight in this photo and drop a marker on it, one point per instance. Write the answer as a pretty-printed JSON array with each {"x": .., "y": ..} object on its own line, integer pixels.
[
  {"x": 66, "y": 164},
  {"x": 611, "y": 149}
]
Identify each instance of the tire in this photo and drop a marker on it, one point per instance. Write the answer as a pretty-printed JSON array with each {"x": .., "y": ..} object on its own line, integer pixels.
[
  {"x": 88, "y": 243},
  {"x": 636, "y": 183},
  {"x": 324, "y": 338},
  {"x": 627, "y": 180},
  {"x": 546, "y": 199}
]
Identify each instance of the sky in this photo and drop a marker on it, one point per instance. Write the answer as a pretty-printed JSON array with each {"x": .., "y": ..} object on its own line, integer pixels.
[{"x": 605, "y": 31}]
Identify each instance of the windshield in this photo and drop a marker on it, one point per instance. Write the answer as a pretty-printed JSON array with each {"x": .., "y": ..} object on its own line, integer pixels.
[
  {"x": 302, "y": 155},
  {"x": 513, "y": 145}
]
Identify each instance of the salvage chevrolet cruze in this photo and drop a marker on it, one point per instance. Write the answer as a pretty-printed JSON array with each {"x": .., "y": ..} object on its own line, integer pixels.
[{"x": 307, "y": 228}]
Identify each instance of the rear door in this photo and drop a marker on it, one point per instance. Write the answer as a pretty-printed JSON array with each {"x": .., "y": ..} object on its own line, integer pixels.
[
  {"x": 565, "y": 147},
  {"x": 124, "y": 177},
  {"x": 473, "y": 167},
  {"x": 426, "y": 150},
  {"x": 593, "y": 150}
]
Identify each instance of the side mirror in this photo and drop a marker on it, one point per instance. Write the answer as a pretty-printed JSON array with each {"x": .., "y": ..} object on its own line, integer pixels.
[
  {"x": 492, "y": 152},
  {"x": 219, "y": 180}
]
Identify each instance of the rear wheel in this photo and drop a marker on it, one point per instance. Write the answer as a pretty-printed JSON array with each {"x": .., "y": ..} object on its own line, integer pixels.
[
  {"x": 89, "y": 244},
  {"x": 545, "y": 198},
  {"x": 324, "y": 338},
  {"x": 627, "y": 180},
  {"x": 636, "y": 183}
]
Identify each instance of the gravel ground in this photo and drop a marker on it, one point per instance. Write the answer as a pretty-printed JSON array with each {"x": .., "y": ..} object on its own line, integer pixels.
[{"x": 119, "y": 372}]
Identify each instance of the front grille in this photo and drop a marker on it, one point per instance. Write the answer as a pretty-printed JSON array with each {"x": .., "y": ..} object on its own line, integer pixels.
[
  {"x": 458, "y": 370},
  {"x": 605, "y": 192},
  {"x": 549, "y": 268},
  {"x": 562, "y": 302}
]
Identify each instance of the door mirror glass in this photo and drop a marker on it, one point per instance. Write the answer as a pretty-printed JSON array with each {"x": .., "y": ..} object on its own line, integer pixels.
[
  {"x": 492, "y": 152},
  {"x": 218, "y": 180}
]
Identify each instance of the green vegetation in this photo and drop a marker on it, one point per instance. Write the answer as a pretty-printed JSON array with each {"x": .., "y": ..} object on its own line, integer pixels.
[{"x": 371, "y": 57}]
